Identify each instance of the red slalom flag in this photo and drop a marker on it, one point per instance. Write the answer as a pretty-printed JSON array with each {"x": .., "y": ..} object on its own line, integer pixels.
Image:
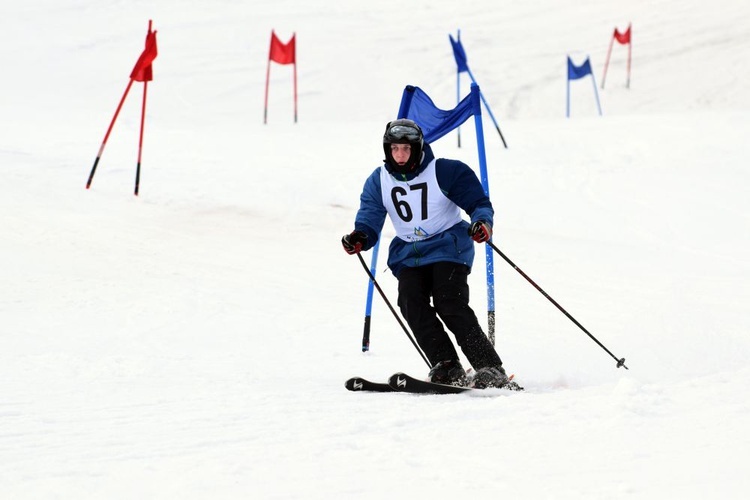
[
  {"x": 623, "y": 38},
  {"x": 282, "y": 53},
  {"x": 142, "y": 71}
]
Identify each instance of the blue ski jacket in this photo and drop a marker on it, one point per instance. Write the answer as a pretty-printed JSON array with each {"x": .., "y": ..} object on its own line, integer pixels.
[{"x": 459, "y": 184}]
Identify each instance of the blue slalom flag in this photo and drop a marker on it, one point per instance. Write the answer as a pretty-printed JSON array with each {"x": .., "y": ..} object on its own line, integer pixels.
[
  {"x": 576, "y": 72},
  {"x": 460, "y": 54},
  {"x": 461, "y": 62},
  {"x": 435, "y": 122}
]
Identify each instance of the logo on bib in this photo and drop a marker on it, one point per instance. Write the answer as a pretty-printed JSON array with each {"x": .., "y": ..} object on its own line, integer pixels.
[{"x": 420, "y": 233}]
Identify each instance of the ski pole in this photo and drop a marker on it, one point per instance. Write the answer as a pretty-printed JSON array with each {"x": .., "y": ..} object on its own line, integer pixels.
[
  {"x": 620, "y": 362},
  {"x": 380, "y": 290}
]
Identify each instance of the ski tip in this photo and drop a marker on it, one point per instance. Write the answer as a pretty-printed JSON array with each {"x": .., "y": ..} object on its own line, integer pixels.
[
  {"x": 353, "y": 384},
  {"x": 398, "y": 381},
  {"x": 359, "y": 384}
]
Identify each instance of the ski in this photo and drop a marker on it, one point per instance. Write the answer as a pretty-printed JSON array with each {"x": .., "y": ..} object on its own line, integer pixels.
[
  {"x": 358, "y": 384},
  {"x": 401, "y": 382}
]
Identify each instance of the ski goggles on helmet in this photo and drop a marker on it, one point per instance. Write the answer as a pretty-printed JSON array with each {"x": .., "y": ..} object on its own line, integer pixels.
[{"x": 403, "y": 133}]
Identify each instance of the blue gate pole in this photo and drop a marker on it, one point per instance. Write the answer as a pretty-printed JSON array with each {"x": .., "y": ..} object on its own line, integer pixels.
[
  {"x": 368, "y": 304},
  {"x": 488, "y": 250}
]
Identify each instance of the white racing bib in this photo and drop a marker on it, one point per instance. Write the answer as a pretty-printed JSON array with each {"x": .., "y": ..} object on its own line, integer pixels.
[{"x": 418, "y": 208}]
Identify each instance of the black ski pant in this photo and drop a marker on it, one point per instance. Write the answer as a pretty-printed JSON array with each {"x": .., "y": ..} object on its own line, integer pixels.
[{"x": 446, "y": 284}]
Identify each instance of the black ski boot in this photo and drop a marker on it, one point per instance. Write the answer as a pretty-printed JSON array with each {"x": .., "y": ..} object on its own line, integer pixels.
[
  {"x": 490, "y": 376},
  {"x": 449, "y": 372}
]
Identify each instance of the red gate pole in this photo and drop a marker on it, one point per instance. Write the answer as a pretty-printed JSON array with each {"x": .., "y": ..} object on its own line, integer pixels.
[{"x": 106, "y": 136}]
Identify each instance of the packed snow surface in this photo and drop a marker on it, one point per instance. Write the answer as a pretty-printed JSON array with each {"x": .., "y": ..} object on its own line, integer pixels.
[{"x": 192, "y": 342}]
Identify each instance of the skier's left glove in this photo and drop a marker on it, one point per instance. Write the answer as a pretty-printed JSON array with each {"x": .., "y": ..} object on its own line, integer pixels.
[
  {"x": 480, "y": 231},
  {"x": 353, "y": 242}
]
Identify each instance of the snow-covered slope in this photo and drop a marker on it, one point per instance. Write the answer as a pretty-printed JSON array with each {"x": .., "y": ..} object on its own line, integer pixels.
[{"x": 193, "y": 342}]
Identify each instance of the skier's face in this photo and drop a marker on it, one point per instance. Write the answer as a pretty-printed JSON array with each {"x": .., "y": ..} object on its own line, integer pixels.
[{"x": 401, "y": 153}]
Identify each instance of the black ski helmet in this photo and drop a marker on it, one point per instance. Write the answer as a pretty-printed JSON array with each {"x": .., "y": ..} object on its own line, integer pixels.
[{"x": 403, "y": 131}]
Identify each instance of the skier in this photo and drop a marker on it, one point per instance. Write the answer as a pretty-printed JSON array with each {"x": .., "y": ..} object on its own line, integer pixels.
[{"x": 432, "y": 253}]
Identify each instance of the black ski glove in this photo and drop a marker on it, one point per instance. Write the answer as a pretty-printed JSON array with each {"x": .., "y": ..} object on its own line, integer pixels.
[
  {"x": 353, "y": 242},
  {"x": 480, "y": 231}
]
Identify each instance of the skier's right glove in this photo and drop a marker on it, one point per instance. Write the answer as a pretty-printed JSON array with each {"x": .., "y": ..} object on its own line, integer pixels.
[
  {"x": 353, "y": 242},
  {"x": 480, "y": 231}
]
